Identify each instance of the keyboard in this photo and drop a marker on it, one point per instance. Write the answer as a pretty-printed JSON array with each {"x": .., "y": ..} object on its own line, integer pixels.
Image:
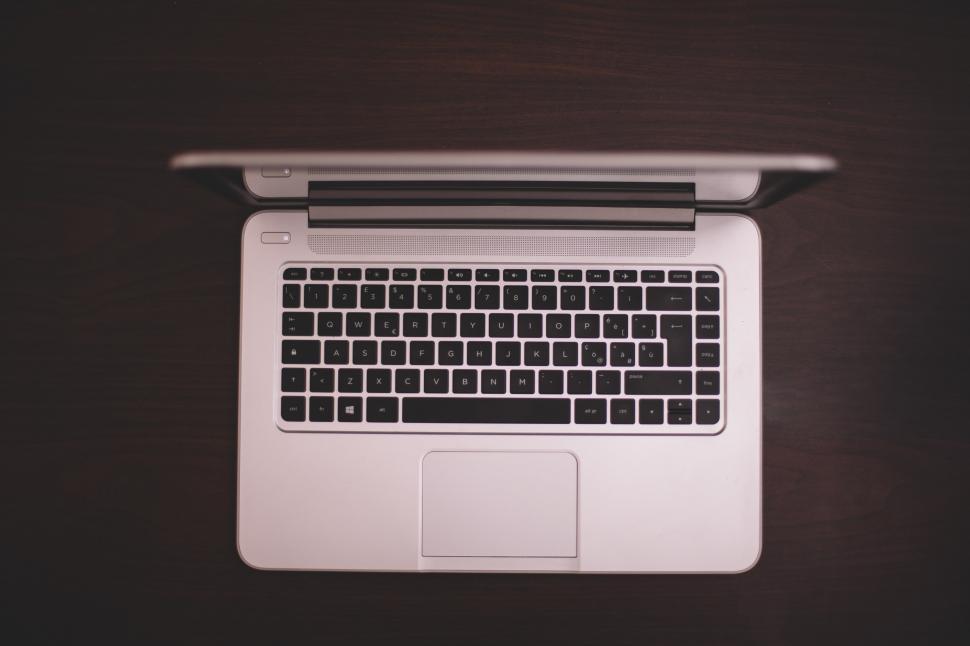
[{"x": 500, "y": 349}]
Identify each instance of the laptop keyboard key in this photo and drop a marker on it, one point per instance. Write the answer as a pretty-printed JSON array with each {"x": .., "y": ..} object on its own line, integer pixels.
[
  {"x": 293, "y": 409},
  {"x": 297, "y": 324},
  {"x": 590, "y": 411},
  {"x": 321, "y": 409},
  {"x": 291, "y": 295},
  {"x": 670, "y": 299},
  {"x": 301, "y": 352},
  {"x": 676, "y": 330},
  {"x": 381, "y": 409}
]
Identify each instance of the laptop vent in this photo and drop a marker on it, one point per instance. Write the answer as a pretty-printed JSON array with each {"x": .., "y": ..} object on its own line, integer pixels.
[
  {"x": 500, "y": 172},
  {"x": 551, "y": 246}
]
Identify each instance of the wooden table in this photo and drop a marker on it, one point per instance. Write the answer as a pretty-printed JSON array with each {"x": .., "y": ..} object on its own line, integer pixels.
[{"x": 121, "y": 282}]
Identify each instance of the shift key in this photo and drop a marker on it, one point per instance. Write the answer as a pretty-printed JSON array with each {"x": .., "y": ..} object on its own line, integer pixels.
[
  {"x": 657, "y": 382},
  {"x": 669, "y": 299}
]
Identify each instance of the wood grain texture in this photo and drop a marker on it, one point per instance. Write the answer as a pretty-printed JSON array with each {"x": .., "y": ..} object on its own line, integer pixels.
[{"x": 120, "y": 284}]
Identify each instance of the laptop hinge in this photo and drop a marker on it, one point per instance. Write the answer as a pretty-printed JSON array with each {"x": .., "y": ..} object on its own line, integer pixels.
[{"x": 665, "y": 205}]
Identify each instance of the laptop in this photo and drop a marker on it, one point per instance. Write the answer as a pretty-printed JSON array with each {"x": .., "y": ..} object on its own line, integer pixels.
[{"x": 500, "y": 361}]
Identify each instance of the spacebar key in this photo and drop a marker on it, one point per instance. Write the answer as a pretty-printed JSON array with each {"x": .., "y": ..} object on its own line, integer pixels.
[{"x": 485, "y": 410}]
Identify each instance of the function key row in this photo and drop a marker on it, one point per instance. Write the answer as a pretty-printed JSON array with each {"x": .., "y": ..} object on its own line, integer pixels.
[{"x": 508, "y": 275}]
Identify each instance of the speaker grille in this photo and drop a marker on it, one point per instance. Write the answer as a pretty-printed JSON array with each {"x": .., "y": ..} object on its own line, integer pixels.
[{"x": 473, "y": 245}]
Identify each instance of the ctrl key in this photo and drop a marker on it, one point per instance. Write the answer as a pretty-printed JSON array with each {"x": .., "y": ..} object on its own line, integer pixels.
[{"x": 293, "y": 409}]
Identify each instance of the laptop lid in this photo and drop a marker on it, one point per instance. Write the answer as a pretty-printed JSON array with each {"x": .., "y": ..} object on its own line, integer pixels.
[{"x": 660, "y": 189}]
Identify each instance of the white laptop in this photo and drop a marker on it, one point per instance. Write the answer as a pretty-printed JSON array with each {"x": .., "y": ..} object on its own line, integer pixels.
[{"x": 505, "y": 362}]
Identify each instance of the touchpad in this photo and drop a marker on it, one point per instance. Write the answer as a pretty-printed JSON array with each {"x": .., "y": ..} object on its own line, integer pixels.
[{"x": 499, "y": 503}]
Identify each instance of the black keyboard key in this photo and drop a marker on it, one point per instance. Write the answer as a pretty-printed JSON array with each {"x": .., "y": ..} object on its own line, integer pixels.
[
  {"x": 460, "y": 274},
  {"x": 464, "y": 382},
  {"x": 378, "y": 380},
  {"x": 550, "y": 382},
  {"x": 486, "y": 297},
  {"x": 486, "y": 275},
  {"x": 537, "y": 353},
  {"x": 622, "y": 354},
  {"x": 570, "y": 275},
  {"x": 349, "y": 409},
  {"x": 522, "y": 382},
  {"x": 350, "y": 380},
  {"x": 579, "y": 382},
  {"x": 406, "y": 273},
  {"x": 371, "y": 296},
  {"x": 330, "y": 324},
  {"x": 415, "y": 324},
  {"x": 590, "y": 411},
  {"x": 432, "y": 274},
  {"x": 622, "y": 411},
  {"x": 708, "y": 411},
  {"x": 607, "y": 382},
  {"x": 543, "y": 275},
  {"x": 321, "y": 273},
  {"x": 615, "y": 326},
  {"x": 336, "y": 352},
  {"x": 386, "y": 323},
  {"x": 572, "y": 297},
  {"x": 382, "y": 409},
  {"x": 706, "y": 277},
  {"x": 651, "y": 355},
  {"x": 321, "y": 409},
  {"x": 435, "y": 381},
  {"x": 530, "y": 326},
  {"x": 676, "y": 330},
  {"x": 557, "y": 326},
  {"x": 429, "y": 297},
  {"x": 293, "y": 380},
  {"x": 501, "y": 325},
  {"x": 508, "y": 353},
  {"x": 708, "y": 355},
  {"x": 624, "y": 276},
  {"x": 376, "y": 274},
  {"x": 321, "y": 380},
  {"x": 472, "y": 325},
  {"x": 657, "y": 382},
  {"x": 597, "y": 275},
  {"x": 293, "y": 409},
  {"x": 651, "y": 411},
  {"x": 291, "y": 295},
  {"x": 670, "y": 299},
  {"x": 601, "y": 297},
  {"x": 708, "y": 383},
  {"x": 644, "y": 326},
  {"x": 679, "y": 411},
  {"x": 708, "y": 299},
  {"x": 493, "y": 382},
  {"x": 315, "y": 296},
  {"x": 565, "y": 353},
  {"x": 451, "y": 353},
  {"x": 422, "y": 353},
  {"x": 365, "y": 353},
  {"x": 294, "y": 273},
  {"x": 458, "y": 297},
  {"x": 652, "y": 276},
  {"x": 407, "y": 380},
  {"x": 392, "y": 353},
  {"x": 679, "y": 276},
  {"x": 514, "y": 275},
  {"x": 348, "y": 273},
  {"x": 516, "y": 297},
  {"x": 345, "y": 296},
  {"x": 587, "y": 326},
  {"x": 479, "y": 353},
  {"x": 358, "y": 324},
  {"x": 543, "y": 297},
  {"x": 401, "y": 297},
  {"x": 629, "y": 298},
  {"x": 594, "y": 354},
  {"x": 297, "y": 324},
  {"x": 482, "y": 410},
  {"x": 301, "y": 352},
  {"x": 708, "y": 326}
]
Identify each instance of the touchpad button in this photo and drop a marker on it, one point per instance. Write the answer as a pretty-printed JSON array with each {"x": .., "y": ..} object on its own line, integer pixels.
[{"x": 499, "y": 503}]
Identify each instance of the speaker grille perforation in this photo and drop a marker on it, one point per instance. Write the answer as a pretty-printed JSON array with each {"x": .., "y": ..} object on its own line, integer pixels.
[{"x": 475, "y": 245}]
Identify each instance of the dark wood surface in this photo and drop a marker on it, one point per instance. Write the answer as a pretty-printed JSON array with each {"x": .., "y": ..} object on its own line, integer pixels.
[{"x": 120, "y": 290}]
